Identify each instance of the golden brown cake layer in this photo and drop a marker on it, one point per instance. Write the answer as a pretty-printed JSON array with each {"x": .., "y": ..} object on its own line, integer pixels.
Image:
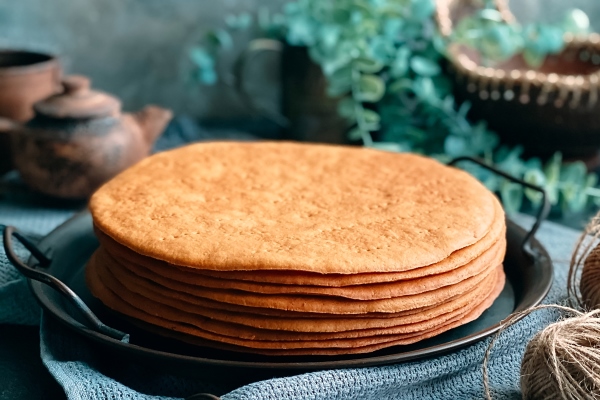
[{"x": 289, "y": 206}]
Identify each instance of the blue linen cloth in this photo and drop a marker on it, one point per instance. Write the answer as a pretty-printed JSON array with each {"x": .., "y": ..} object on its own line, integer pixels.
[{"x": 75, "y": 365}]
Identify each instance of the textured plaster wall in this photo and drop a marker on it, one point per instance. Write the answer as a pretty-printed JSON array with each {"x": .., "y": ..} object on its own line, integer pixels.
[
  {"x": 136, "y": 48},
  {"x": 133, "y": 48}
]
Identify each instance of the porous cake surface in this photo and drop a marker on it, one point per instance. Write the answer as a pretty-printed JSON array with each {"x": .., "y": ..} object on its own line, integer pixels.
[{"x": 229, "y": 206}]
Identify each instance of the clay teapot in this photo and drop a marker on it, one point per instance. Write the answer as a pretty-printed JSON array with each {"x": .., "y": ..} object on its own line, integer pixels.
[{"x": 79, "y": 139}]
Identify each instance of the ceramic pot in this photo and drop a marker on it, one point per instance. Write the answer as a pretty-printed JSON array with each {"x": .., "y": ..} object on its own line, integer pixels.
[
  {"x": 307, "y": 112},
  {"x": 79, "y": 139},
  {"x": 25, "y": 78}
]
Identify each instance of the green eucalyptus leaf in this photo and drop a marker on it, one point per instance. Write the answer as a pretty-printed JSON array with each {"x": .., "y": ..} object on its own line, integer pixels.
[
  {"x": 371, "y": 88},
  {"x": 360, "y": 6},
  {"x": 220, "y": 38},
  {"x": 341, "y": 16},
  {"x": 388, "y": 146},
  {"x": 329, "y": 36},
  {"x": 424, "y": 89},
  {"x": 574, "y": 174},
  {"x": 400, "y": 85},
  {"x": 533, "y": 59},
  {"x": 499, "y": 42},
  {"x": 577, "y": 22},
  {"x": 455, "y": 146},
  {"x": 301, "y": 32},
  {"x": 367, "y": 65},
  {"x": 552, "y": 168},
  {"x": 421, "y": 9},
  {"x": 202, "y": 58},
  {"x": 574, "y": 198},
  {"x": 382, "y": 49},
  {"x": 208, "y": 76},
  {"x": 370, "y": 118},
  {"x": 338, "y": 89},
  {"x": 591, "y": 181},
  {"x": 424, "y": 67},
  {"x": 492, "y": 182},
  {"x": 512, "y": 196},
  {"x": 355, "y": 134},
  {"x": 340, "y": 82},
  {"x": 537, "y": 178},
  {"x": 391, "y": 28},
  {"x": 347, "y": 108},
  {"x": 399, "y": 66},
  {"x": 491, "y": 14}
]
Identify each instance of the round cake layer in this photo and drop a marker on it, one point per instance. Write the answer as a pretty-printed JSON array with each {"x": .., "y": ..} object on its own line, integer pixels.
[
  {"x": 288, "y": 206},
  {"x": 495, "y": 237},
  {"x": 181, "y": 280},
  {"x": 306, "y": 303},
  {"x": 151, "y": 295},
  {"x": 173, "y": 326}
]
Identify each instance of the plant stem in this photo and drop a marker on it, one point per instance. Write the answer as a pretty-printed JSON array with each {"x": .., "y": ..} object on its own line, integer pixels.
[{"x": 359, "y": 111}]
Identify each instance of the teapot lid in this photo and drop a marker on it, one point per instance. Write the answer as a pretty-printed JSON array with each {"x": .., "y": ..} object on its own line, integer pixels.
[{"x": 78, "y": 101}]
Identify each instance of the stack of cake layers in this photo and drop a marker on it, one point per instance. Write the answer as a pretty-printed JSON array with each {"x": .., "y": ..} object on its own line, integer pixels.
[{"x": 295, "y": 249}]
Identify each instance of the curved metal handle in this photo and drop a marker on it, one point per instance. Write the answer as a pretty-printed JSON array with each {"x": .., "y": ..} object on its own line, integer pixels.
[
  {"x": 254, "y": 49},
  {"x": 542, "y": 212},
  {"x": 53, "y": 282},
  {"x": 203, "y": 396}
]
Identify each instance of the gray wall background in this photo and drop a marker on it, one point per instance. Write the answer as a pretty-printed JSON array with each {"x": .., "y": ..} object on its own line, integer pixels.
[{"x": 136, "y": 49}]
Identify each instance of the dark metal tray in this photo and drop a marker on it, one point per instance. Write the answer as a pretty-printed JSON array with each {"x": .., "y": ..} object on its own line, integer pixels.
[
  {"x": 56, "y": 272},
  {"x": 70, "y": 246}
]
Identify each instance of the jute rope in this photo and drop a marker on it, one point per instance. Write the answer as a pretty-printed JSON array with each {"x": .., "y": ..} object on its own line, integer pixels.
[
  {"x": 563, "y": 360},
  {"x": 583, "y": 283}
]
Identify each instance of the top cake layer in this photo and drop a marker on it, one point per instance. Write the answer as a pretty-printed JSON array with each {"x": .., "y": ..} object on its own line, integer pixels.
[{"x": 229, "y": 206}]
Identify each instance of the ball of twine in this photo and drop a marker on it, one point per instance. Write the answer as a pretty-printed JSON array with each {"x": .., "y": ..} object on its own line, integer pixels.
[
  {"x": 583, "y": 284},
  {"x": 589, "y": 285},
  {"x": 563, "y": 360},
  {"x": 560, "y": 362}
]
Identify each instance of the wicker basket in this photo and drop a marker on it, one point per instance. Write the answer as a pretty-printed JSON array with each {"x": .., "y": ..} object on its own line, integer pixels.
[{"x": 552, "y": 108}]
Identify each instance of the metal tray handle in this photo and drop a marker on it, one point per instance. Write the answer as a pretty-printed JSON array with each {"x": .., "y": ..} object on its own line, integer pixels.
[
  {"x": 543, "y": 211},
  {"x": 53, "y": 282},
  {"x": 203, "y": 396}
]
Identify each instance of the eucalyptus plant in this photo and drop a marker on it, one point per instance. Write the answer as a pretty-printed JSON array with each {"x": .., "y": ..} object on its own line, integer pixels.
[
  {"x": 495, "y": 40},
  {"x": 383, "y": 61}
]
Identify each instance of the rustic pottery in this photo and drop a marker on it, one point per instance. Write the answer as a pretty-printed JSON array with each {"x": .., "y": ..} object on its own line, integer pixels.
[
  {"x": 552, "y": 108},
  {"x": 79, "y": 139},
  {"x": 25, "y": 78},
  {"x": 307, "y": 112}
]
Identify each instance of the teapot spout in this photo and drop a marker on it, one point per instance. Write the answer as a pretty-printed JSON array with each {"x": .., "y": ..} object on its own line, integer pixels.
[{"x": 152, "y": 121}]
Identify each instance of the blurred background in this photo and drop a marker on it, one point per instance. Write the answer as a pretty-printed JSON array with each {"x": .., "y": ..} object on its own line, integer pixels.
[
  {"x": 388, "y": 81},
  {"x": 138, "y": 49}
]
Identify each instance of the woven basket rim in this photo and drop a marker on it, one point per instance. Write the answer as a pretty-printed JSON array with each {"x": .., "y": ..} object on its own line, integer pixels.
[{"x": 465, "y": 65}]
